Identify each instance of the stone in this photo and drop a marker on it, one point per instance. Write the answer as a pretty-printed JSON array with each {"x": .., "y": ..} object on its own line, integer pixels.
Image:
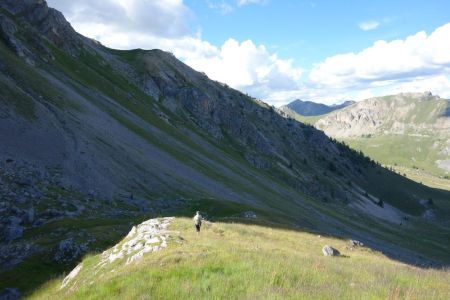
[
  {"x": 149, "y": 236},
  {"x": 355, "y": 243},
  {"x": 330, "y": 251},
  {"x": 30, "y": 215},
  {"x": 250, "y": 215},
  {"x": 71, "y": 275},
  {"x": 428, "y": 214},
  {"x": 68, "y": 250},
  {"x": 14, "y": 221},
  {"x": 13, "y": 232},
  {"x": 10, "y": 294}
]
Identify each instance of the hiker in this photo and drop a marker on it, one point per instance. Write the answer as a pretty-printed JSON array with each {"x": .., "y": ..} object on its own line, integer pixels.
[{"x": 198, "y": 221}]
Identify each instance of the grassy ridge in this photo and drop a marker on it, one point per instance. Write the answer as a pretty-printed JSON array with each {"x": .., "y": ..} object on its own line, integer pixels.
[
  {"x": 408, "y": 151},
  {"x": 237, "y": 261}
]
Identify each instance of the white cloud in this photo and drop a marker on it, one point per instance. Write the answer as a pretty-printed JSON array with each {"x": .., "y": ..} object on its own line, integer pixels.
[
  {"x": 369, "y": 25},
  {"x": 168, "y": 18},
  {"x": 142, "y": 24},
  {"x": 247, "y": 2},
  {"x": 418, "y": 63},
  {"x": 419, "y": 55},
  {"x": 439, "y": 85},
  {"x": 247, "y": 66}
]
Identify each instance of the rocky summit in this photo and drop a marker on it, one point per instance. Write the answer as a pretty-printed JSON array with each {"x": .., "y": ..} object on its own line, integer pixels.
[
  {"x": 95, "y": 140},
  {"x": 149, "y": 236}
]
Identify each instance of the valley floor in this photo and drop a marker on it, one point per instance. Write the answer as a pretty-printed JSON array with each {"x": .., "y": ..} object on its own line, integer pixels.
[
  {"x": 424, "y": 177},
  {"x": 241, "y": 261}
]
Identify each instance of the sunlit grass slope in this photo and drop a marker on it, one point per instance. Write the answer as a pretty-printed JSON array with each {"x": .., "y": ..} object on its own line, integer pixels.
[{"x": 238, "y": 261}]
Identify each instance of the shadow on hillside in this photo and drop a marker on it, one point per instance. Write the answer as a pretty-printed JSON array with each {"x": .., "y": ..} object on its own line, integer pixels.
[{"x": 38, "y": 270}]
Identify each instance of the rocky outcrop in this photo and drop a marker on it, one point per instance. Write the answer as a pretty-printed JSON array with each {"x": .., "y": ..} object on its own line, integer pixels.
[
  {"x": 71, "y": 275},
  {"x": 47, "y": 21},
  {"x": 32, "y": 196},
  {"x": 396, "y": 114},
  {"x": 149, "y": 236}
]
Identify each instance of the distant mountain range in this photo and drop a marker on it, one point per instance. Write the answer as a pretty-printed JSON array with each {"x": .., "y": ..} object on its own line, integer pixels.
[
  {"x": 309, "y": 108},
  {"x": 408, "y": 129}
]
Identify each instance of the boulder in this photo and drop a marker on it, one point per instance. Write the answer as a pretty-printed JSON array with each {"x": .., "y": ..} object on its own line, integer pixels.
[
  {"x": 13, "y": 232},
  {"x": 68, "y": 250},
  {"x": 149, "y": 236},
  {"x": 330, "y": 251}
]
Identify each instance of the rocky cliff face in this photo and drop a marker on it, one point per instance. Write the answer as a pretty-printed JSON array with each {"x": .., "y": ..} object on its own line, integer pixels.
[
  {"x": 150, "y": 82},
  {"x": 398, "y": 114},
  {"x": 103, "y": 136},
  {"x": 408, "y": 129}
]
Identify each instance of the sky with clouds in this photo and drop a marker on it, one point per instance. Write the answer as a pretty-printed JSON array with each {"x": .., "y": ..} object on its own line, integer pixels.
[{"x": 281, "y": 50}]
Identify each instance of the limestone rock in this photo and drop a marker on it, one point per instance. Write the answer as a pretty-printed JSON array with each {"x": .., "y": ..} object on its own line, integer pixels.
[
  {"x": 330, "y": 251},
  {"x": 149, "y": 236},
  {"x": 71, "y": 275},
  {"x": 355, "y": 243}
]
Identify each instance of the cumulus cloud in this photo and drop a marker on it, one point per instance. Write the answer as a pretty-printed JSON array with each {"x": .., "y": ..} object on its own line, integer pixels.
[
  {"x": 369, "y": 25},
  {"x": 439, "y": 85},
  {"x": 417, "y": 56},
  {"x": 418, "y": 63},
  {"x": 247, "y": 66},
  {"x": 144, "y": 24},
  {"x": 168, "y": 18}
]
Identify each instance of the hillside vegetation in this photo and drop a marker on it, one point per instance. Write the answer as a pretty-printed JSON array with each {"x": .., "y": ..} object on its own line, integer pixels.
[
  {"x": 408, "y": 132},
  {"x": 244, "y": 261}
]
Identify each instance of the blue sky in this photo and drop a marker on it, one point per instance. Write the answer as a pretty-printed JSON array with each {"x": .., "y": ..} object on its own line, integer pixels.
[
  {"x": 325, "y": 51},
  {"x": 310, "y": 31}
]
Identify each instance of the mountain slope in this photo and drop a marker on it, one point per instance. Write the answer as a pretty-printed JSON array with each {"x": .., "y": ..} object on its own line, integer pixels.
[
  {"x": 237, "y": 261},
  {"x": 94, "y": 139},
  {"x": 410, "y": 130},
  {"x": 309, "y": 108}
]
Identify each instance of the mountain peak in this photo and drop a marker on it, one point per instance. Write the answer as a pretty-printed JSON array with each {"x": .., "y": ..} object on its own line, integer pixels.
[
  {"x": 309, "y": 108},
  {"x": 46, "y": 21}
]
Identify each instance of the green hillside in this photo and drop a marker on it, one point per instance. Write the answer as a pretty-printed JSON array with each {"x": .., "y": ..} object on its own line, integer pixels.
[
  {"x": 409, "y": 133},
  {"x": 242, "y": 261}
]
